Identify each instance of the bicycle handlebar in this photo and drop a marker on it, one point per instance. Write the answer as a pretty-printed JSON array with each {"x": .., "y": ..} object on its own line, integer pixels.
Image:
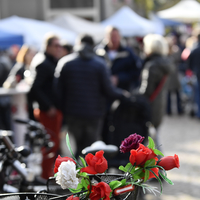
[{"x": 32, "y": 124}]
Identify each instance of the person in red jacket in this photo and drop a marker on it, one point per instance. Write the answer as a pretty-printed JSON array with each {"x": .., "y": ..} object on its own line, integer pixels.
[{"x": 43, "y": 66}]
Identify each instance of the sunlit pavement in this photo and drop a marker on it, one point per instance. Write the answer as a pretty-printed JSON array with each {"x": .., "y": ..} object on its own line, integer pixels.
[{"x": 181, "y": 135}]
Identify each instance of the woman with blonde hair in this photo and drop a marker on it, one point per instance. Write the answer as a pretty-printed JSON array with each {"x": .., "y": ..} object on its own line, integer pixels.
[
  {"x": 18, "y": 72},
  {"x": 153, "y": 79}
]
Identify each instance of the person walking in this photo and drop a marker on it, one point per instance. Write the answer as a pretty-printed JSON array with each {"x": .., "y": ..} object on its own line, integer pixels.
[
  {"x": 42, "y": 67},
  {"x": 83, "y": 85},
  {"x": 193, "y": 62},
  {"x": 154, "y": 74},
  {"x": 173, "y": 82},
  {"x": 121, "y": 60},
  {"x": 5, "y": 101},
  {"x": 124, "y": 66}
]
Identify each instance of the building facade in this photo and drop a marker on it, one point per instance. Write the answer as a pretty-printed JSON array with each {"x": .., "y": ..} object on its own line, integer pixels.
[{"x": 94, "y": 10}]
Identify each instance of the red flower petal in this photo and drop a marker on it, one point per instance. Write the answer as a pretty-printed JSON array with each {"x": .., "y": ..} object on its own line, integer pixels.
[
  {"x": 72, "y": 198},
  {"x": 99, "y": 191},
  {"x": 156, "y": 171},
  {"x": 59, "y": 160},
  {"x": 169, "y": 162},
  {"x": 89, "y": 170},
  {"x": 96, "y": 164}
]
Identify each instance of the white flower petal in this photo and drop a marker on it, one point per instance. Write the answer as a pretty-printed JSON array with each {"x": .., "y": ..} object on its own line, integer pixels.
[{"x": 66, "y": 176}]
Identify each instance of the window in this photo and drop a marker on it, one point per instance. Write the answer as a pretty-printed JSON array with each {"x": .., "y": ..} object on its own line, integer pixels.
[{"x": 71, "y": 4}]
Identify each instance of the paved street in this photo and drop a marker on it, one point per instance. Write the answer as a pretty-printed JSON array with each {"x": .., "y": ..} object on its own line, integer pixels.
[{"x": 181, "y": 135}]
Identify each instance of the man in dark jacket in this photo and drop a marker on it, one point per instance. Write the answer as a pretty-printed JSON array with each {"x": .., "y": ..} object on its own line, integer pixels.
[
  {"x": 84, "y": 85},
  {"x": 43, "y": 66},
  {"x": 194, "y": 64},
  {"x": 5, "y": 101},
  {"x": 123, "y": 63}
]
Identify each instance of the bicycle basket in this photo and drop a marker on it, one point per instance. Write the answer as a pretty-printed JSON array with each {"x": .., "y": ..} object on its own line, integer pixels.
[
  {"x": 27, "y": 196},
  {"x": 94, "y": 179}
]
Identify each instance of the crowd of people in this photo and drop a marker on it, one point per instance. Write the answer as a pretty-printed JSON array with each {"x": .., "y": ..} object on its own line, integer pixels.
[{"x": 76, "y": 86}]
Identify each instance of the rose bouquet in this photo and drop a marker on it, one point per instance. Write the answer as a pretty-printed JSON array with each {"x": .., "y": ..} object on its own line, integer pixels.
[{"x": 145, "y": 163}]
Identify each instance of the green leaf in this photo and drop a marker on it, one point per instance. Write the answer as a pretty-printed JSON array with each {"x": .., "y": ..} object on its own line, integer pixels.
[
  {"x": 146, "y": 175},
  {"x": 84, "y": 183},
  {"x": 166, "y": 179},
  {"x": 83, "y": 161},
  {"x": 138, "y": 174},
  {"x": 122, "y": 168},
  {"x": 150, "y": 162},
  {"x": 70, "y": 149},
  {"x": 83, "y": 174},
  {"x": 128, "y": 166},
  {"x": 115, "y": 184},
  {"x": 151, "y": 143},
  {"x": 137, "y": 177},
  {"x": 69, "y": 146},
  {"x": 78, "y": 189},
  {"x": 157, "y": 152},
  {"x": 138, "y": 171},
  {"x": 55, "y": 175},
  {"x": 123, "y": 181},
  {"x": 161, "y": 188}
]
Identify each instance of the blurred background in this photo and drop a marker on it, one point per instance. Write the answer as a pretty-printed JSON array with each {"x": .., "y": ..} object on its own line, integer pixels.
[{"x": 27, "y": 21}]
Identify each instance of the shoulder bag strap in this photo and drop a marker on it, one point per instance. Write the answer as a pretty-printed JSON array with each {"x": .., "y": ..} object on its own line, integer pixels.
[{"x": 157, "y": 90}]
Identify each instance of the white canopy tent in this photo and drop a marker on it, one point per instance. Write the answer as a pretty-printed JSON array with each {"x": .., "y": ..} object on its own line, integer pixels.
[
  {"x": 185, "y": 11},
  {"x": 158, "y": 24},
  {"x": 130, "y": 24},
  {"x": 80, "y": 26},
  {"x": 33, "y": 31}
]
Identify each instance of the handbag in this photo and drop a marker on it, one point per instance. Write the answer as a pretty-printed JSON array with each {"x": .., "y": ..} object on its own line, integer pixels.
[{"x": 158, "y": 89}]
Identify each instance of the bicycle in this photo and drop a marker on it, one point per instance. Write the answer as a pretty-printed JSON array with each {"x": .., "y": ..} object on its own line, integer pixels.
[{"x": 15, "y": 168}]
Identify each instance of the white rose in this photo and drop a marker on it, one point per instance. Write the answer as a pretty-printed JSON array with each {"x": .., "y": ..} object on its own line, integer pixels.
[{"x": 66, "y": 175}]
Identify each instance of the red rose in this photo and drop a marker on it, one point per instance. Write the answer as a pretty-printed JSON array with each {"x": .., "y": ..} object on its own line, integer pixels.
[
  {"x": 141, "y": 155},
  {"x": 99, "y": 191},
  {"x": 96, "y": 164},
  {"x": 156, "y": 171},
  {"x": 72, "y": 198},
  {"x": 169, "y": 162},
  {"x": 59, "y": 160},
  {"x": 151, "y": 175}
]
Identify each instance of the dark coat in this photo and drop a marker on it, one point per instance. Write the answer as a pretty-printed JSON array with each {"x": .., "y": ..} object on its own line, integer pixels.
[
  {"x": 194, "y": 61},
  {"x": 4, "y": 71},
  {"x": 126, "y": 65},
  {"x": 155, "y": 68},
  {"x": 84, "y": 84},
  {"x": 42, "y": 68}
]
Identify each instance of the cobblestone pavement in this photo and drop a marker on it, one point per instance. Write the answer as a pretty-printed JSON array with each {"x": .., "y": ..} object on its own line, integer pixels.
[{"x": 181, "y": 135}]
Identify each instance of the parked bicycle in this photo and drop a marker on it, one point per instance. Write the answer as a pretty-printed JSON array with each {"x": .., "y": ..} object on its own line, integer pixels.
[{"x": 20, "y": 167}]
